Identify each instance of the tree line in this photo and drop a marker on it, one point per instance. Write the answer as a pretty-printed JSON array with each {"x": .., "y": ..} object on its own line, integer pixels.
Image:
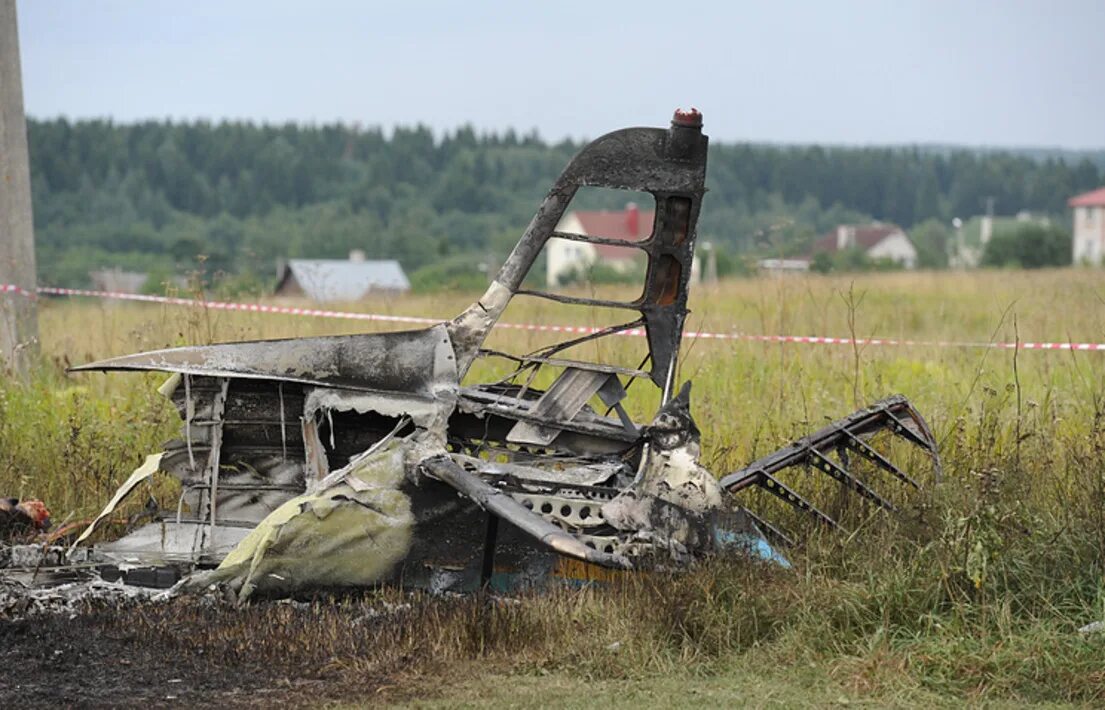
[{"x": 233, "y": 197}]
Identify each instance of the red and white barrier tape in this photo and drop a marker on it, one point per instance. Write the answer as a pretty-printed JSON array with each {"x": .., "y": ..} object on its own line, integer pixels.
[
  {"x": 229, "y": 306},
  {"x": 12, "y": 288},
  {"x": 575, "y": 329}
]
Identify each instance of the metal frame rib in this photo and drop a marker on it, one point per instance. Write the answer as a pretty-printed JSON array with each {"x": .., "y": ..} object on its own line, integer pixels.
[{"x": 894, "y": 414}]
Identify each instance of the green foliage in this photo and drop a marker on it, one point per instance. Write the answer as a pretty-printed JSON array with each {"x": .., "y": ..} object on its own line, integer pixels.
[
  {"x": 822, "y": 262},
  {"x": 246, "y": 284},
  {"x": 236, "y": 196},
  {"x": 1029, "y": 246},
  {"x": 730, "y": 264},
  {"x": 66, "y": 444},
  {"x": 932, "y": 239},
  {"x": 601, "y": 273},
  {"x": 853, "y": 260},
  {"x": 158, "y": 281},
  {"x": 458, "y": 273}
]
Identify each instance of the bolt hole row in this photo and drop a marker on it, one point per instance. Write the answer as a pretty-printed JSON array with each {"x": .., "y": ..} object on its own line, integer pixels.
[
  {"x": 546, "y": 508},
  {"x": 608, "y": 548}
]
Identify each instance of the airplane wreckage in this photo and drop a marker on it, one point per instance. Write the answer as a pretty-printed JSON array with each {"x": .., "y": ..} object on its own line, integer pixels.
[{"x": 367, "y": 459}]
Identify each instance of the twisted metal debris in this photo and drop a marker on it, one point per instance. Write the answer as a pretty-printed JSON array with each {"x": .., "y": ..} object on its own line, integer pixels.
[{"x": 373, "y": 458}]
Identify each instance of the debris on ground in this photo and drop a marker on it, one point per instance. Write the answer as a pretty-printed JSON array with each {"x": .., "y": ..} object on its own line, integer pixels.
[
  {"x": 22, "y": 518},
  {"x": 1094, "y": 627},
  {"x": 19, "y": 601},
  {"x": 356, "y": 460}
]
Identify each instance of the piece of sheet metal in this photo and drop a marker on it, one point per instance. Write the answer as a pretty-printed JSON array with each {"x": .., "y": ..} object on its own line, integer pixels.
[{"x": 408, "y": 362}]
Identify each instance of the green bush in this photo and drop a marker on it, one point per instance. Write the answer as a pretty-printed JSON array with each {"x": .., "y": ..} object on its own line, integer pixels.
[
  {"x": 600, "y": 273},
  {"x": 850, "y": 261},
  {"x": 458, "y": 273},
  {"x": 1029, "y": 246}
]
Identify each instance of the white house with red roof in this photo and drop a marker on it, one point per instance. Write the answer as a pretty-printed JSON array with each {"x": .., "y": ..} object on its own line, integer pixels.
[
  {"x": 1089, "y": 227},
  {"x": 878, "y": 241},
  {"x": 564, "y": 257}
]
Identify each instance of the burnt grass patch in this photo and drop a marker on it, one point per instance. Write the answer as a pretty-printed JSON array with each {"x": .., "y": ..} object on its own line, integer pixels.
[
  {"x": 380, "y": 646},
  {"x": 891, "y": 613},
  {"x": 200, "y": 650}
]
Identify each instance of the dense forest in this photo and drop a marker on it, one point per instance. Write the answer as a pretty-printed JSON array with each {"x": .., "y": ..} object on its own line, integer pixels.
[{"x": 230, "y": 198}]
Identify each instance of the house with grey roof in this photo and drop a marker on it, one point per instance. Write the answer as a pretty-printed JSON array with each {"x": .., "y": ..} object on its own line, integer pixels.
[
  {"x": 117, "y": 281},
  {"x": 350, "y": 279}
]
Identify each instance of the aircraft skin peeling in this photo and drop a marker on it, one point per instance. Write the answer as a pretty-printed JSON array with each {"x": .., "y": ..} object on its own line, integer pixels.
[
  {"x": 350, "y": 461},
  {"x": 350, "y": 532}
]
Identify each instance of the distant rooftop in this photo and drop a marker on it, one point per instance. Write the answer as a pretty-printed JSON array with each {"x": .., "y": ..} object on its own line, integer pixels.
[
  {"x": 117, "y": 280},
  {"x": 631, "y": 224},
  {"x": 341, "y": 279},
  {"x": 862, "y": 236},
  {"x": 1094, "y": 198}
]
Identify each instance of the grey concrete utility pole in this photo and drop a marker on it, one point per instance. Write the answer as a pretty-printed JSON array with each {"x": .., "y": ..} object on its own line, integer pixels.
[{"x": 18, "y": 315}]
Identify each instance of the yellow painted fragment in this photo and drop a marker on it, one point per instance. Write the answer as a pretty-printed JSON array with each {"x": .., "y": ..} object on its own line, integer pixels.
[
  {"x": 169, "y": 386},
  {"x": 578, "y": 570},
  {"x": 148, "y": 468},
  {"x": 352, "y": 533}
]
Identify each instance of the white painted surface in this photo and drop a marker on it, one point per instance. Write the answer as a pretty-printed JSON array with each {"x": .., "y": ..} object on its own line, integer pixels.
[
  {"x": 563, "y": 256},
  {"x": 845, "y": 237},
  {"x": 895, "y": 247},
  {"x": 784, "y": 265},
  {"x": 1089, "y": 235}
]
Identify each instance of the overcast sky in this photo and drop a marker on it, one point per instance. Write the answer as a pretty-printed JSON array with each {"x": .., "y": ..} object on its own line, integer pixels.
[{"x": 981, "y": 72}]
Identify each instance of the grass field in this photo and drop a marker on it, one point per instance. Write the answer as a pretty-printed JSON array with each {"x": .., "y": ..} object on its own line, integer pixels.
[{"x": 974, "y": 594}]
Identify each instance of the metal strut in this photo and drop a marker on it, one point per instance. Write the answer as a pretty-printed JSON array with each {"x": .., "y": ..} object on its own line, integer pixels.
[{"x": 894, "y": 414}]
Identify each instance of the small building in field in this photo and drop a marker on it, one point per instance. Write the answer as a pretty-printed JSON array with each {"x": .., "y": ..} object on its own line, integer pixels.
[
  {"x": 351, "y": 279},
  {"x": 117, "y": 280},
  {"x": 1089, "y": 227},
  {"x": 783, "y": 266},
  {"x": 565, "y": 258},
  {"x": 877, "y": 241}
]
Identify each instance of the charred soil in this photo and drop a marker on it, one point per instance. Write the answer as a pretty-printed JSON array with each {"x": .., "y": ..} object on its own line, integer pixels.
[{"x": 188, "y": 651}]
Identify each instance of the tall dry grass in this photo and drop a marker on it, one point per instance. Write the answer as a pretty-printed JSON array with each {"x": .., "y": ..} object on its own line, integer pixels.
[{"x": 976, "y": 590}]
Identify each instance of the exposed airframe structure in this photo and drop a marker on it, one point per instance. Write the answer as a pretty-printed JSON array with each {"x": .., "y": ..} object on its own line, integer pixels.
[{"x": 364, "y": 459}]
